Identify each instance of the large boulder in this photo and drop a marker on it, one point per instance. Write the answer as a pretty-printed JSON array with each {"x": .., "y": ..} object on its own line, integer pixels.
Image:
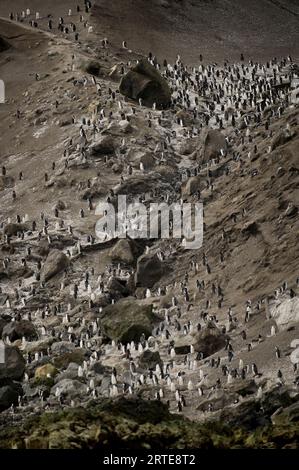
[
  {"x": 62, "y": 347},
  {"x": 145, "y": 82},
  {"x": 208, "y": 341},
  {"x": 117, "y": 289},
  {"x": 219, "y": 400},
  {"x": 149, "y": 271},
  {"x": 147, "y": 160},
  {"x": 55, "y": 263},
  {"x": 105, "y": 145},
  {"x": 64, "y": 360},
  {"x": 4, "y": 320},
  {"x": 13, "y": 229},
  {"x": 127, "y": 320},
  {"x": 212, "y": 141},
  {"x": 19, "y": 329},
  {"x": 192, "y": 186},
  {"x": 285, "y": 416},
  {"x": 9, "y": 395},
  {"x": 149, "y": 359},
  {"x": 14, "y": 363},
  {"x": 242, "y": 387},
  {"x": 93, "y": 67},
  {"x": 69, "y": 388},
  {"x": 188, "y": 146},
  {"x": 4, "y": 45},
  {"x": 45, "y": 371},
  {"x": 122, "y": 251},
  {"x": 286, "y": 312}
]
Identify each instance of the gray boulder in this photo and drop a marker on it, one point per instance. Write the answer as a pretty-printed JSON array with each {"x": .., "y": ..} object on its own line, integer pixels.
[
  {"x": 149, "y": 271},
  {"x": 105, "y": 145},
  {"x": 69, "y": 388},
  {"x": 149, "y": 359},
  {"x": 9, "y": 395},
  {"x": 14, "y": 363},
  {"x": 145, "y": 82},
  {"x": 285, "y": 312},
  {"x": 56, "y": 262},
  {"x": 127, "y": 320},
  {"x": 19, "y": 329},
  {"x": 212, "y": 141},
  {"x": 122, "y": 251}
]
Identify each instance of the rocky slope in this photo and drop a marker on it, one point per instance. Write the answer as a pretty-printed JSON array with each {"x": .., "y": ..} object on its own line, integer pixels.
[{"x": 211, "y": 332}]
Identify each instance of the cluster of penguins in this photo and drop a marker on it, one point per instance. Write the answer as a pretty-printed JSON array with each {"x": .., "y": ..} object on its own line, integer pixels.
[{"x": 211, "y": 95}]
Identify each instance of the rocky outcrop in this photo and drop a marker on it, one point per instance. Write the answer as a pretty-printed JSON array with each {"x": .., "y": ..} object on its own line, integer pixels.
[
  {"x": 48, "y": 370},
  {"x": 4, "y": 45},
  {"x": 13, "y": 229},
  {"x": 69, "y": 388},
  {"x": 127, "y": 320},
  {"x": 192, "y": 186},
  {"x": 4, "y": 320},
  {"x": 145, "y": 82},
  {"x": 54, "y": 264},
  {"x": 212, "y": 142},
  {"x": 207, "y": 341},
  {"x": 286, "y": 312},
  {"x": 103, "y": 146},
  {"x": 149, "y": 359},
  {"x": 122, "y": 251},
  {"x": 149, "y": 271},
  {"x": 9, "y": 394},
  {"x": 135, "y": 423},
  {"x": 19, "y": 329},
  {"x": 14, "y": 365},
  {"x": 210, "y": 340}
]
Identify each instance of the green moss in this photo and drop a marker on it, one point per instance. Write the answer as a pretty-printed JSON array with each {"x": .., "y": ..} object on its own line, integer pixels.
[{"x": 134, "y": 423}]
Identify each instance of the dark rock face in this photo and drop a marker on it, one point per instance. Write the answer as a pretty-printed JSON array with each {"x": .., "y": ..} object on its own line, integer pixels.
[
  {"x": 68, "y": 387},
  {"x": 221, "y": 400},
  {"x": 286, "y": 415},
  {"x": 212, "y": 143},
  {"x": 93, "y": 68},
  {"x": 9, "y": 394},
  {"x": 103, "y": 146},
  {"x": 122, "y": 251},
  {"x": 192, "y": 186},
  {"x": 14, "y": 365},
  {"x": 4, "y": 45},
  {"x": 117, "y": 289},
  {"x": 13, "y": 229},
  {"x": 4, "y": 320},
  {"x": 127, "y": 320},
  {"x": 209, "y": 340},
  {"x": 145, "y": 82},
  {"x": 242, "y": 387},
  {"x": 64, "y": 359},
  {"x": 19, "y": 329},
  {"x": 54, "y": 264},
  {"x": 149, "y": 271},
  {"x": 149, "y": 359}
]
